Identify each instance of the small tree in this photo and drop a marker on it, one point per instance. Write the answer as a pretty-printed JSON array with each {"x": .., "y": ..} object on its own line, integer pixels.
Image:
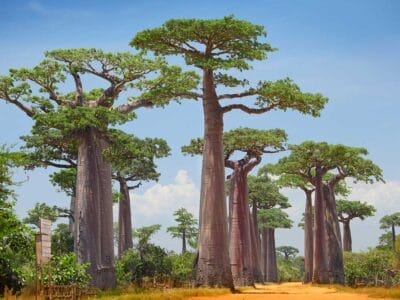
[
  {"x": 62, "y": 241},
  {"x": 390, "y": 222},
  {"x": 41, "y": 210},
  {"x": 288, "y": 251},
  {"x": 186, "y": 228},
  {"x": 349, "y": 210}
]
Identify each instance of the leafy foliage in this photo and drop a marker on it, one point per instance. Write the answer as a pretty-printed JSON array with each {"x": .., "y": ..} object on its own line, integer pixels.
[
  {"x": 390, "y": 220},
  {"x": 187, "y": 226},
  {"x": 65, "y": 270},
  {"x": 273, "y": 218},
  {"x": 290, "y": 270},
  {"x": 41, "y": 210},
  {"x": 182, "y": 267},
  {"x": 371, "y": 267},
  {"x": 348, "y": 210},
  {"x": 288, "y": 251},
  {"x": 62, "y": 241}
]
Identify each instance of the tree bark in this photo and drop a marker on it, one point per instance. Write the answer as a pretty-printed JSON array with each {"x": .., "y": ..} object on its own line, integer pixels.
[
  {"x": 256, "y": 254},
  {"x": 93, "y": 210},
  {"x": 240, "y": 246},
  {"x": 270, "y": 257},
  {"x": 308, "y": 238},
  {"x": 393, "y": 237},
  {"x": 334, "y": 241},
  {"x": 347, "y": 236},
  {"x": 320, "y": 265},
  {"x": 183, "y": 242},
  {"x": 71, "y": 219},
  {"x": 125, "y": 241},
  {"x": 213, "y": 266}
]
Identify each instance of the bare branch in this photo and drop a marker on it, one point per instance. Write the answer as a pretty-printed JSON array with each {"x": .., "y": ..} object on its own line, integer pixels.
[
  {"x": 237, "y": 95},
  {"x": 252, "y": 164},
  {"x": 247, "y": 109},
  {"x": 79, "y": 89},
  {"x": 133, "y": 105},
  {"x": 132, "y": 187}
]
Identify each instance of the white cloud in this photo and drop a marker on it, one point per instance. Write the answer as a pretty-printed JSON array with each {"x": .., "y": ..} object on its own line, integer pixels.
[
  {"x": 384, "y": 196},
  {"x": 165, "y": 199}
]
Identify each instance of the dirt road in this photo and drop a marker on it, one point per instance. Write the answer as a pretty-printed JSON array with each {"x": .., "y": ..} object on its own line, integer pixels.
[{"x": 286, "y": 291}]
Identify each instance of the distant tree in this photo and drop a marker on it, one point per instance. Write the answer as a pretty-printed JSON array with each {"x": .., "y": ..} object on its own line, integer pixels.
[
  {"x": 288, "y": 251},
  {"x": 186, "y": 228},
  {"x": 391, "y": 222},
  {"x": 214, "y": 47},
  {"x": 41, "y": 210},
  {"x": 143, "y": 235},
  {"x": 132, "y": 161},
  {"x": 348, "y": 210},
  {"x": 313, "y": 161},
  {"x": 62, "y": 241},
  {"x": 269, "y": 220}
]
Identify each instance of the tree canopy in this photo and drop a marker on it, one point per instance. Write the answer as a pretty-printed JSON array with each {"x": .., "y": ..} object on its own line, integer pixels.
[{"x": 348, "y": 210}]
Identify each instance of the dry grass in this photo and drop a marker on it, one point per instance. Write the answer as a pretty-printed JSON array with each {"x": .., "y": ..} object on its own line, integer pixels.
[
  {"x": 172, "y": 294},
  {"x": 373, "y": 292}
]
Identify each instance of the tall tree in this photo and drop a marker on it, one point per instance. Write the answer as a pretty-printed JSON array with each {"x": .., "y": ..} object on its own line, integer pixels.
[
  {"x": 349, "y": 210},
  {"x": 215, "y": 46},
  {"x": 252, "y": 144},
  {"x": 390, "y": 222},
  {"x": 269, "y": 220},
  {"x": 313, "y": 161},
  {"x": 132, "y": 161},
  {"x": 85, "y": 117},
  {"x": 143, "y": 235},
  {"x": 186, "y": 229}
]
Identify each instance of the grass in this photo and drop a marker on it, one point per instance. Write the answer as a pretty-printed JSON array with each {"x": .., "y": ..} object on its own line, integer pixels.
[
  {"x": 373, "y": 292},
  {"x": 172, "y": 294}
]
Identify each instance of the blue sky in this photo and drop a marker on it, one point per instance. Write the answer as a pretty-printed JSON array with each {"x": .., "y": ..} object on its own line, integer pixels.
[{"x": 346, "y": 50}]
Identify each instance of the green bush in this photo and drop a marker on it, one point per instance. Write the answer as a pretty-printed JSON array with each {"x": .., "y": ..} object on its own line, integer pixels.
[
  {"x": 66, "y": 270},
  {"x": 371, "y": 267},
  {"x": 290, "y": 269},
  {"x": 133, "y": 266},
  {"x": 182, "y": 267}
]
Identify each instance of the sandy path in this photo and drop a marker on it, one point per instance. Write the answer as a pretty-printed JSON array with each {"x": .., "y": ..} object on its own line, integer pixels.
[{"x": 292, "y": 291}]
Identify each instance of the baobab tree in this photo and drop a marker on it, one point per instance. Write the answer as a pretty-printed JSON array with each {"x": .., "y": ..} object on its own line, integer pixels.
[
  {"x": 390, "y": 222},
  {"x": 349, "y": 210},
  {"x": 269, "y": 220},
  {"x": 287, "y": 251},
  {"x": 186, "y": 229},
  {"x": 252, "y": 144},
  {"x": 215, "y": 46},
  {"x": 264, "y": 195},
  {"x": 132, "y": 161},
  {"x": 85, "y": 116},
  {"x": 314, "y": 161}
]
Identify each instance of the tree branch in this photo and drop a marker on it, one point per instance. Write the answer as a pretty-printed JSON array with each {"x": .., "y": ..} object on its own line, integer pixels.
[
  {"x": 247, "y": 109},
  {"x": 252, "y": 164},
  {"x": 237, "y": 95},
  {"x": 79, "y": 89},
  {"x": 132, "y": 187}
]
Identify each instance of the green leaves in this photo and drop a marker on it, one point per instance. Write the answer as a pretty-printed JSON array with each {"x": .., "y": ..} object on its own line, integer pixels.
[
  {"x": 348, "y": 210},
  {"x": 253, "y": 142},
  {"x": 273, "y": 218},
  {"x": 390, "y": 220},
  {"x": 283, "y": 94},
  {"x": 213, "y": 44}
]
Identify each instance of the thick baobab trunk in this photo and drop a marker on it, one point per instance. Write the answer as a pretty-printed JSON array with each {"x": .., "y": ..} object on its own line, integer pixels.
[
  {"x": 93, "y": 210},
  {"x": 213, "y": 267},
  {"x": 256, "y": 255},
  {"x": 240, "y": 246},
  {"x": 347, "y": 236},
  {"x": 271, "y": 269},
  {"x": 320, "y": 264},
  {"x": 124, "y": 218},
  {"x": 308, "y": 238},
  {"x": 334, "y": 242}
]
